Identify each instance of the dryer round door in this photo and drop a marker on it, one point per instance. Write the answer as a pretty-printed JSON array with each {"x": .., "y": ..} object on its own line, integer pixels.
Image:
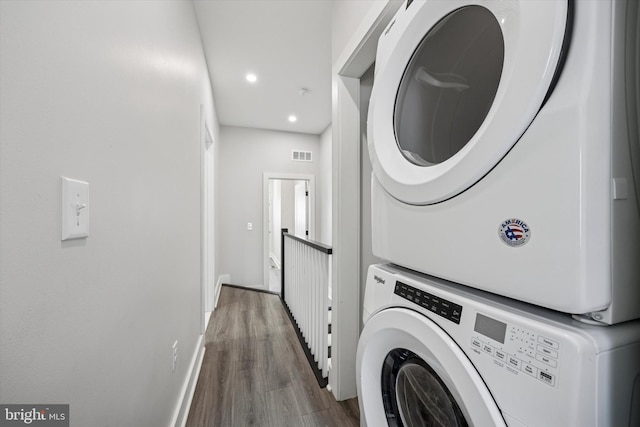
[
  {"x": 456, "y": 85},
  {"x": 411, "y": 373}
]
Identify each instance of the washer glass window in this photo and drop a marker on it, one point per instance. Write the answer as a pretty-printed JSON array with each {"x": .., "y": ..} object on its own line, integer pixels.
[
  {"x": 449, "y": 85},
  {"x": 414, "y": 395}
]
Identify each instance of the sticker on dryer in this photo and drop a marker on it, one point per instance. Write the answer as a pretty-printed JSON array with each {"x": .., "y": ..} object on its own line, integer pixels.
[{"x": 514, "y": 232}]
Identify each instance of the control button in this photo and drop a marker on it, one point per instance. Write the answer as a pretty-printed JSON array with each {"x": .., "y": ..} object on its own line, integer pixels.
[
  {"x": 548, "y": 352},
  {"x": 487, "y": 349},
  {"x": 545, "y": 359},
  {"x": 455, "y": 312},
  {"x": 548, "y": 342},
  {"x": 476, "y": 343},
  {"x": 530, "y": 369},
  {"x": 501, "y": 355},
  {"x": 547, "y": 378},
  {"x": 513, "y": 361},
  {"x": 444, "y": 312}
]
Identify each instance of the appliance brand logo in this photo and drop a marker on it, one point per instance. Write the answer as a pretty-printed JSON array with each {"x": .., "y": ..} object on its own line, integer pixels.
[
  {"x": 514, "y": 232},
  {"x": 379, "y": 279}
]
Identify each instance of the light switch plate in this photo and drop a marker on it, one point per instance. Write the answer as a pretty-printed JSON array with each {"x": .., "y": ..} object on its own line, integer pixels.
[{"x": 75, "y": 209}]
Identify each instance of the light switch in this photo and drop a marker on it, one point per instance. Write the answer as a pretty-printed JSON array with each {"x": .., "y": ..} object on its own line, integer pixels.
[
  {"x": 75, "y": 209},
  {"x": 249, "y": 226}
]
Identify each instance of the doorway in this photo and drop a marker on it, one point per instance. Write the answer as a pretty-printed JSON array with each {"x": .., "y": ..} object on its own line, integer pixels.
[{"x": 289, "y": 203}]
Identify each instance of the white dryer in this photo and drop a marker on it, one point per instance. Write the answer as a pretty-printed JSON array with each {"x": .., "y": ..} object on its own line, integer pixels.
[
  {"x": 435, "y": 353},
  {"x": 504, "y": 143}
]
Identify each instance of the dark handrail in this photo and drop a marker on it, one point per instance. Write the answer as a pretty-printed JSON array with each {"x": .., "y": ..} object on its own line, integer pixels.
[{"x": 316, "y": 245}]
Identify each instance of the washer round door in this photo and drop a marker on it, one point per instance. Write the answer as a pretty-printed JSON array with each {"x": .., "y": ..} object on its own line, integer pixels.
[
  {"x": 411, "y": 373},
  {"x": 456, "y": 86}
]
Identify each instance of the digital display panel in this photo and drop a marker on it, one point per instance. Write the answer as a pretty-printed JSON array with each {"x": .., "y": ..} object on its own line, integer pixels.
[{"x": 491, "y": 328}]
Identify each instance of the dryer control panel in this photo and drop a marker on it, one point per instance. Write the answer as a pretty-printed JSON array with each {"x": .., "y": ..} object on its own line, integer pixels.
[{"x": 518, "y": 350}]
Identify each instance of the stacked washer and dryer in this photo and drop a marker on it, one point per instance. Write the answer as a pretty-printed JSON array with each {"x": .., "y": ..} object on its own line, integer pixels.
[{"x": 506, "y": 198}]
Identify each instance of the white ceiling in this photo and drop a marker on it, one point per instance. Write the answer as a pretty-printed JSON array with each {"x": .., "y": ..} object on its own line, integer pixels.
[{"x": 287, "y": 44}]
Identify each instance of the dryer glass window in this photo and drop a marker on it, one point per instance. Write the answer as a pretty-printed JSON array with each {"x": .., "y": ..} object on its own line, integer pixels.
[
  {"x": 414, "y": 395},
  {"x": 449, "y": 86}
]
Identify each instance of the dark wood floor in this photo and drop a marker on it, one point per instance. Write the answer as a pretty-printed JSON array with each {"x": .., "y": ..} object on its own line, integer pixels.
[{"x": 255, "y": 373}]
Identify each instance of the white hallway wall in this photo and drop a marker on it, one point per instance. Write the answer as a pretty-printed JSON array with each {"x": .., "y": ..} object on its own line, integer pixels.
[
  {"x": 244, "y": 156},
  {"x": 107, "y": 92}
]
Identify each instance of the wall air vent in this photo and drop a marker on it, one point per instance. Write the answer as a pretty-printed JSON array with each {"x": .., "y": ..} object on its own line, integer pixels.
[{"x": 301, "y": 156}]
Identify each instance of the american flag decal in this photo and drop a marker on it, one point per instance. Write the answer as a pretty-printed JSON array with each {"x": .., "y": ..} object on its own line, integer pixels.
[{"x": 514, "y": 232}]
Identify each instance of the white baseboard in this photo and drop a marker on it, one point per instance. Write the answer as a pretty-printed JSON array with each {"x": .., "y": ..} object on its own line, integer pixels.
[
  {"x": 189, "y": 387},
  {"x": 223, "y": 278},
  {"x": 207, "y": 316}
]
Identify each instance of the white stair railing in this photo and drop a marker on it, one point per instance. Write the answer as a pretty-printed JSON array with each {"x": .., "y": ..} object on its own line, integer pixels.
[{"x": 305, "y": 291}]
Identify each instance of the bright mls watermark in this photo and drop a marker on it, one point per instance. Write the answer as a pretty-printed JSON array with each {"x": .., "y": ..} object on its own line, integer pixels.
[{"x": 34, "y": 415}]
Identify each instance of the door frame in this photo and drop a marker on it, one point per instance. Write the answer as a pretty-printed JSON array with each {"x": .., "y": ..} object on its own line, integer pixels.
[
  {"x": 265, "y": 214},
  {"x": 353, "y": 62},
  {"x": 208, "y": 293}
]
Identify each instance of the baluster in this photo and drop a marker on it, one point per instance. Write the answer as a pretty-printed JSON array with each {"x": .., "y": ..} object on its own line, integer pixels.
[{"x": 308, "y": 275}]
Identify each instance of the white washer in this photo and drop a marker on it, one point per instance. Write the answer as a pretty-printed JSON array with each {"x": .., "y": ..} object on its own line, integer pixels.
[
  {"x": 504, "y": 144},
  {"x": 431, "y": 349}
]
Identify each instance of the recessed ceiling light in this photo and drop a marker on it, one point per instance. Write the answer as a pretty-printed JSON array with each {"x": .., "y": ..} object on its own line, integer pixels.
[
  {"x": 293, "y": 118},
  {"x": 251, "y": 78}
]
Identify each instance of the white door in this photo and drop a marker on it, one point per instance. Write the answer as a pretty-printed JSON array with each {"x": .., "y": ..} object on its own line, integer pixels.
[
  {"x": 456, "y": 85},
  {"x": 300, "y": 206}
]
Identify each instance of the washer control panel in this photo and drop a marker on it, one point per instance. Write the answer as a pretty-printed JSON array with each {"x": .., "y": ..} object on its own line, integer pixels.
[
  {"x": 518, "y": 350},
  {"x": 440, "y": 306}
]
